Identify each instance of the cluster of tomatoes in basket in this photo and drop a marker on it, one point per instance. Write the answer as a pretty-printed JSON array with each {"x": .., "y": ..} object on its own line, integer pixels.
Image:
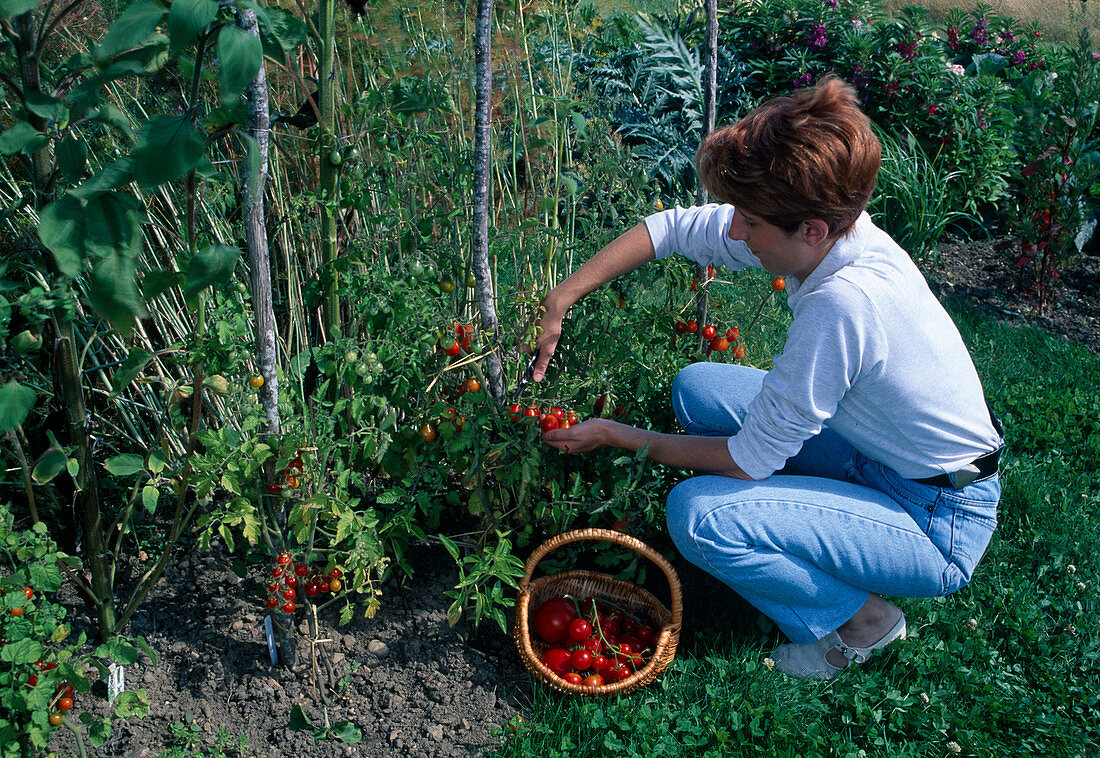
[
  {"x": 593, "y": 641},
  {"x": 289, "y": 578},
  {"x": 551, "y": 417}
]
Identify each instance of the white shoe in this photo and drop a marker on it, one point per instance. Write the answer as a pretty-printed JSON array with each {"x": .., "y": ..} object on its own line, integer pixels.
[{"x": 808, "y": 661}]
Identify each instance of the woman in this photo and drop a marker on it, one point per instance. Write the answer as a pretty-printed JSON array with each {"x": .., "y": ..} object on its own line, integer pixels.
[{"x": 865, "y": 462}]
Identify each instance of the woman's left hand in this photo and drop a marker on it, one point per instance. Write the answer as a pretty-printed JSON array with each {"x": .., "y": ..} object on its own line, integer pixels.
[{"x": 581, "y": 438}]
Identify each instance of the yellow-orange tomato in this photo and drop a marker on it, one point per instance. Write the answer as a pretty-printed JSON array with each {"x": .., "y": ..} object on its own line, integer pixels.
[
  {"x": 335, "y": 585},
  {"x": 471, "y": 385},
  {"x": 56, "y": 719},
  {"x": 256, "y": 381},
  {"x": 779, "y": 284},
  {"x": 428, "y": 432}
]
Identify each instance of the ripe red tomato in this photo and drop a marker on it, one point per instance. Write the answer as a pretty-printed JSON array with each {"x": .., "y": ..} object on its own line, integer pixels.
[
  {"x": 273, "y": 601},
  {"x": 32, "y": 680},
  {"x": 708, "y": 332},
  {"x": 645, "y": 632},
  {"x": 592, "y": 645},
  {"x": 557, "y": 660},
  {"x": 779, "y": 284},
  {"x": 312, "y": 589},
  {"x": 571, "y": 417},
  {"x": 291, "y": 581},
  {"x": 515, "y": 411},
  {"x": 283, "y": 559},
  {"x": 553, "y": 618},
  {"x": 601, "y": 663},
  {"x": 572, "y": 677},
  {"x": 719, "y": 344},
  {"x": 290, "y": 593},
  {"x": 739, "y": 352},
  {"x": 66, "y": 690},
  {"x": 581, "y": 659},
  {"x": 531, "y": 411},
  {"x": 452, "y": 349},
  {"x": 549, "y": 423},
  {"x": 17, "y": 612},
  {"x": 593, "y": 680},
  {"x": 28, "y": 592},
  {"x": 680, "y": 326},
  {"x": 599, "y": 404},
  {"x": 274, "y": 489},
  {"x": 556, "y": 411},
  {"x": 65, "y": 704},
  {"x": 301, "y": 569},
  {"x": 289, "y": 607},
  {"x": 471, "y": 385},
  {"x": 692, "y": 327},
  {"x": 733, "y": 333},
  {"x": 336, "y": 573},
  {"x": 579, "y": 630}
]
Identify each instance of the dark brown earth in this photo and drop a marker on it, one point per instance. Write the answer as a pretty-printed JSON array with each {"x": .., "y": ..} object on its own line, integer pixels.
[
  {"x": 412, "y": 685},
  {"x": 984, "y": 274}
]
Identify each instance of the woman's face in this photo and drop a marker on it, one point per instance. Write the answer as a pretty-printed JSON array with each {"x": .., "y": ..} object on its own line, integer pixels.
[{"x": 780, "y": 252}]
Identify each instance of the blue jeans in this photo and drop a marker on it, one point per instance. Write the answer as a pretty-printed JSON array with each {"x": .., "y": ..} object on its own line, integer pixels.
[{"x": 808, "y": 544}]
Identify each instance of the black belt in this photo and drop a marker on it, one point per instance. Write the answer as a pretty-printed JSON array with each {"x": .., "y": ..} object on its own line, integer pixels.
[{"x": 975, "y": 471}]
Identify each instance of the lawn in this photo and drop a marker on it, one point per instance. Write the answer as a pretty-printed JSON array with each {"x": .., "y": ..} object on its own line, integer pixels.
[{"x": 1010, "y": 665}]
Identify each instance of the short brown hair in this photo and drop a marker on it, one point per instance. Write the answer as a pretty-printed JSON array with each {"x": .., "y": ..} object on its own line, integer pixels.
[{"x": 809, "y": 155}]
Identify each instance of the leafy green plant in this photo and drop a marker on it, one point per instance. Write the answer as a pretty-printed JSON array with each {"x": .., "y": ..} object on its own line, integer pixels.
[
  {"x": 43, "y": 669},
  {"x": 344, "y": 731},
  {"x": 189, "y": 743}
]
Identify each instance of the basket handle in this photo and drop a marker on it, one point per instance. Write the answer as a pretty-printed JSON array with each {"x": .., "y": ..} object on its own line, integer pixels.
[{"x": 618, "y": 538}]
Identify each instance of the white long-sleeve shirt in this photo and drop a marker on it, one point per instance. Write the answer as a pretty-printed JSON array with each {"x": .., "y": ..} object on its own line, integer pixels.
[{"x": 870, "y": 353}]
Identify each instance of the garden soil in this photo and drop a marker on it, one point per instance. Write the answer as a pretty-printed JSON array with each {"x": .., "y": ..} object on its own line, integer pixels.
[{"x": 410, "y": 683}]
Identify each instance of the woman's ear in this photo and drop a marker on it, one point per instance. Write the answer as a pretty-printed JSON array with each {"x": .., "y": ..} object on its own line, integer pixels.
[{"x": 813, "y": 231}]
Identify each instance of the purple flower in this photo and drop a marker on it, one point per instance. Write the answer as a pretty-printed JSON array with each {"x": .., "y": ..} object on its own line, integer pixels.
[
  {"x": 815, "y": 39},
  {"x": 980, "y": 32},
  {"x": 908, "y": 49},
  {"x": 1018, "y": 58},
  {"x": 830, "y": 3},
  {"x": 803, "y": 81}
]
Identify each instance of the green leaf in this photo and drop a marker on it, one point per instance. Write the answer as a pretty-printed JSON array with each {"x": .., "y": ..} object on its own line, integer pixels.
[
  {"x": 99, "y": 731},
  {"x": 23, "y": 651},
  {"x": 49, "y": 465},
  {"x": 130, "y": 368},
  {"x": 211, "y": 266},
  {"x": 298, "y": 718},
  {"x": 345, "y": 731},
  {"x": 111, "y": 116},
  {"x": 106, "y": 225},
  {"x": 112, "y": 176},
  {"x": 167, "y": 147},
  {"x": 113, "y": 292},
  {"x": 452, "y": 548},
  {"x": 9, "y": 8},
  {"x": 227, "y": 536},
  {"x": 72, "y": 157},
  {"x": 283, "y": 28},
  {"x": 21, "y": 137},
  {"x": 156, "y": 282},
  {"x": 132, "y": 703},
  {"x": 46, "y": 106},
  {"x": 133, "y": 28},
  {"x": 187, "y": 19},
  {"x": 149, "y": 497},
  {"x": 239, "y": 55},
  {"x": 16, "y": 402},
  {"x": 143, "y": 646},
  {"x": 125, "y": 464}
]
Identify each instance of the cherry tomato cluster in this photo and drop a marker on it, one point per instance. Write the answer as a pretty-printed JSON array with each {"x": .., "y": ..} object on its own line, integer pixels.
[
  {"x": 290, "y": 477},
  {"x": 289, "y": 577},
  {"x": 462, "y": 340},
  {"x": 718, "y": 343},
  {"x": 594, "y": 642},
  {"x": 550, "y": 417},
  {"x": 62, "y": 700}
]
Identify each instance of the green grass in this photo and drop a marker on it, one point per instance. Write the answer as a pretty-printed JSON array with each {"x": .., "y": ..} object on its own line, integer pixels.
[{"x": 1007, "y": 666}]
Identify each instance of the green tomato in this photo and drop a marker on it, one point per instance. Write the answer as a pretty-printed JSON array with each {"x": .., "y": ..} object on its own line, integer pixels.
[
  {"x": 335, "y": 158},
  {"x": 351, "y": 356}
]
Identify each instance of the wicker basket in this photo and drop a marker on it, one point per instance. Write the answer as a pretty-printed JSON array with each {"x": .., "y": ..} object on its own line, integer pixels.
[{"x": 532, "y": 594}]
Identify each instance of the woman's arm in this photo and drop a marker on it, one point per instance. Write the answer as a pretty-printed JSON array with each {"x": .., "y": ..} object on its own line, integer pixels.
[
  {"x": 624, "y": 254},
  {"x": 683, "y": 451}
]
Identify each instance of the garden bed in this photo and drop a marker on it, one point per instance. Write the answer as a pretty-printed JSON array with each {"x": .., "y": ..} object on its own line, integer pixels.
[{"x": 412, "y": 685}]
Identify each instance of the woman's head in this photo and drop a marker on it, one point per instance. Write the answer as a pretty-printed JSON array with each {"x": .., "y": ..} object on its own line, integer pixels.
[{"x": 809, "y": 155}]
